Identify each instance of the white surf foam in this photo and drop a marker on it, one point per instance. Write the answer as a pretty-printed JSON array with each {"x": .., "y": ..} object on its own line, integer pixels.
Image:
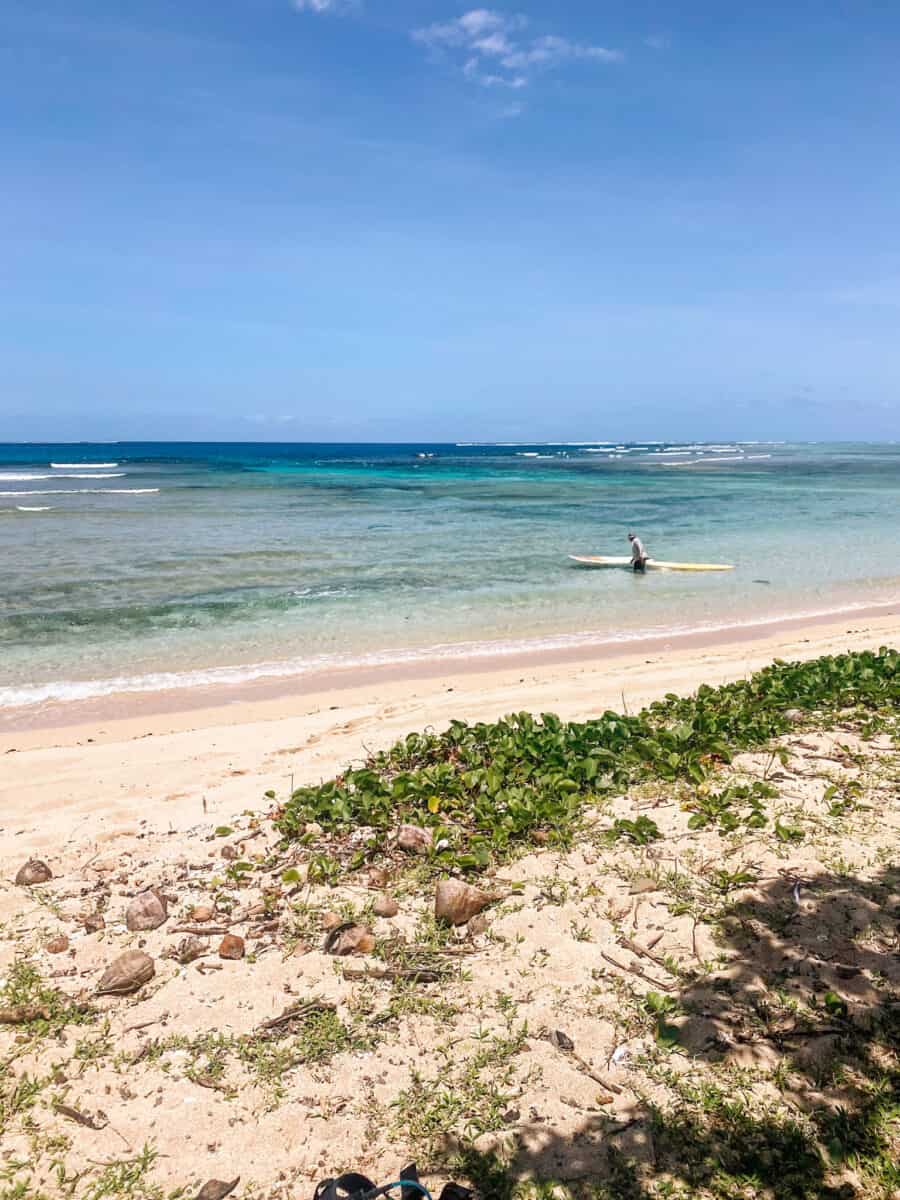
[
  {"x": 83, "y": 492},
  {"x": 15, "y": 477},
  {"x": 33, "y": 508},
  {"x": 83, "y": 466},
  {"x": 66, "y": 691}
]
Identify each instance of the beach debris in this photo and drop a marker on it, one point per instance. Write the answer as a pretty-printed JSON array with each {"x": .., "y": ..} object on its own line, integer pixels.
[
  {"x": 146, "y": 911},
  {"x": 100, "y": 1121},
  {"x": 201, "y": 913},
  {"x": 189, "y": 949},
  {"x": 94, "y": 922},
  {"x": 231, "y": 946},
  {"x": 34, "y": 871},
  {"x": 561, "y": 1040},
  {"x": 24, "y": 1014},
  {"x": 57, "y": 945},
  {"x": 286, "y": 1021},
  {"x": 217, "y": 1189},
  {"x": 349, "y": 938},
  {"x": 385, "y": 906},
  {"x": 456, "y": 902},
  {"x": 414, "y": 840},
  {"x": 634, "y": 969},
  {"x": 126, "y": 974}
]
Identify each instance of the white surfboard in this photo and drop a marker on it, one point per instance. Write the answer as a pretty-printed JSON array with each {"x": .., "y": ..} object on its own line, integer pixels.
[{"x": 652, "y": 564}]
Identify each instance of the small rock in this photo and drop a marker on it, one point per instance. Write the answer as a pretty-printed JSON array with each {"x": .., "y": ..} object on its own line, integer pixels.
[
  {"x": 378, "y": 879},
  {"x": 456, "y": 902},
  {"x": 230, "y": 852},
  {"x": 58, "y": 944},
  {"x": 126, "y": 974},
  {"x": 644, "y": 884},
  {"x": 385, "y": 906},
  {"x": 202, "y": 913},
  {"x": 231, "y": 946},
  {"x": 146, "y": 911},
  {"x": 34, "y": 871},
  {"x": 478, "y": 924},
  {"x": 300, "y": 949},
  {"x": 794, "y": 714},
  {"x": 217, "y": 1189},
  {"x": 414, "y": 840},
  {"x": 330, "y": 920},
  {"x": 349, "y": 938},
  {"x": 190, "y": 948},
  {"x": 94, "y": 922},
  {"x": 312, "y": 829}
]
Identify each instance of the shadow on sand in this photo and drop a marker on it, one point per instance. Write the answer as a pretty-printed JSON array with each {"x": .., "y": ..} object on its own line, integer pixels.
[{"x": 806, "y": 1018}]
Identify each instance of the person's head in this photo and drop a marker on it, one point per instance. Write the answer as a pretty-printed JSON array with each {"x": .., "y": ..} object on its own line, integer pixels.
[{"x": 632, "y": 536}]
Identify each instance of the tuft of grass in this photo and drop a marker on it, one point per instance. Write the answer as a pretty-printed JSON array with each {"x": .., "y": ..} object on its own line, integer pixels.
[{"x": 25, "y": 986}]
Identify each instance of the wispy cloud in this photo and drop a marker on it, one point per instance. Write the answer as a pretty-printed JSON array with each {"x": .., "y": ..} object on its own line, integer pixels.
[
  {"x": 323, "y": 6},
  {"x": 496, "y": 50},
  {"x": 657, "y": 41}
]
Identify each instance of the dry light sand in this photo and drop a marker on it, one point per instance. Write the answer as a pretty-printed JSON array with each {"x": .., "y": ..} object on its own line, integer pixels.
[{"x": 130, "y": 798}]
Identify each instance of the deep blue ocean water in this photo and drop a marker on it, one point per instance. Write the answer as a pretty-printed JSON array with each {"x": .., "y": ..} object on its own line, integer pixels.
[{"x": 129, "y": 566}]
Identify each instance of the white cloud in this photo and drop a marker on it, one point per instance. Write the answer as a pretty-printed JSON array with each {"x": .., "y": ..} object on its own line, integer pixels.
[
  {"x": 322, "y": 6},
  {"x": 496, "y": 51}
]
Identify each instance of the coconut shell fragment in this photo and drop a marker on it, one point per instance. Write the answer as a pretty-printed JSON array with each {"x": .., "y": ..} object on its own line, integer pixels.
[
  {"x": 385, "y": 906},
  {"x": 414, "y": 840},
  {"x": 147, "y": 911},
  {"x": 231, "y": 946},
  {"x": 217, "y": 1189},
  {"x": 349, "y": 938},
  {"x": 456, "y": 902},
  {"x": 34, "y": 871},
  {"x": 126, "y": 974}
]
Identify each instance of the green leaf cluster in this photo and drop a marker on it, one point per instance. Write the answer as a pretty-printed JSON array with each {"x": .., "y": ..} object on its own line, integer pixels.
[{"x": 483, "y": 788}]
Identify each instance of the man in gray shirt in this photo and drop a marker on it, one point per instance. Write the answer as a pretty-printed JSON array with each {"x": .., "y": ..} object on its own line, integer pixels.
[{"x": 639, "y": 555}]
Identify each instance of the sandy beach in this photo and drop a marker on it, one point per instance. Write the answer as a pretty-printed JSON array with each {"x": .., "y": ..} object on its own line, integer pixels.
[
  {"x": 186, "y": 1082},
  {"x": 160, "y": 758}
]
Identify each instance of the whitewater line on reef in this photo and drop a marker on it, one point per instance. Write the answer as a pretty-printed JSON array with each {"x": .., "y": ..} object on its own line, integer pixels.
[
  {"x": 66, "y": 691},
  {"x": 83, "y": 492}
]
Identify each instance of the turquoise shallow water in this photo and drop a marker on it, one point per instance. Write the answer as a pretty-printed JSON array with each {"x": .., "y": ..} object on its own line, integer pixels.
[{"x": 131, "y": 566}]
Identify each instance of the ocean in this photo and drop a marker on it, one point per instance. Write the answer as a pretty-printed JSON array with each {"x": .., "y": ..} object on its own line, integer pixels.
[{"x": 130, "y": 567}]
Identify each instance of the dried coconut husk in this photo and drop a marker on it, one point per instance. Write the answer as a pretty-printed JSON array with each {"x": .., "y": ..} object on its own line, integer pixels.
[
  {"x": 456, "y": 902},
  {"x": 217, "y": 1189},
  {"x": 126, "y": 974},
  {"x": 414, "y": 840},
  {"x": 147, "y": 911},
  {"x": 34, "y": 871},
  {"x": 231, "y": 946}
]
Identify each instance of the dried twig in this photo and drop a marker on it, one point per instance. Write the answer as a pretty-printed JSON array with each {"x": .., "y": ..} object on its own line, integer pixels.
[
  {"x": 66, "y": 1110},
  {"x": 643, "y": 952},
  {"x": 636, "y": 970}
]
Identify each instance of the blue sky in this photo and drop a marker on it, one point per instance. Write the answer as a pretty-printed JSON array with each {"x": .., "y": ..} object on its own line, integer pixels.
[{"x": 406, "y": 219}]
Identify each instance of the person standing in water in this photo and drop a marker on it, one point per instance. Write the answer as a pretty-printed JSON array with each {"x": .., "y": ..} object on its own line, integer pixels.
[{"x": 639, "y": 555}]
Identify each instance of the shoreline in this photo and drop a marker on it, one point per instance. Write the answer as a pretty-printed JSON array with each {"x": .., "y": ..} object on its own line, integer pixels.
[
  {"x": 104, "y": 778},
  {"x": 429, "y": 664}
]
